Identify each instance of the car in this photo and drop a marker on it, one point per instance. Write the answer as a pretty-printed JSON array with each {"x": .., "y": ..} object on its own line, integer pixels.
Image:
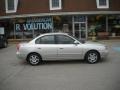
[
  {"x": 60, "y": 46},
  {"x": 3, "y": 41}
]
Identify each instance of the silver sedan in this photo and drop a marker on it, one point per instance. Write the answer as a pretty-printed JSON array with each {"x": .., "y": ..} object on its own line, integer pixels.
[{"x": 60, "y": 46}]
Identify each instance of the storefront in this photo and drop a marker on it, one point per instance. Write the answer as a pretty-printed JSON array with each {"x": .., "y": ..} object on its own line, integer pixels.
[
  {"x": 80, "y": 26},
  {"x": 114, "y": 25},
  {"x": 109, "y": 24}
]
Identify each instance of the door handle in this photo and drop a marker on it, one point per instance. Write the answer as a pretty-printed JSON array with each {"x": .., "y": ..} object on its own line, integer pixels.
[
  {"x": 61, "y": 48},
  {"x": 38, "y": 48}
]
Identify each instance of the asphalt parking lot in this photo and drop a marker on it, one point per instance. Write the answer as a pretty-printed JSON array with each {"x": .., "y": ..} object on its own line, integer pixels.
[{"x": 16, "y": 74}]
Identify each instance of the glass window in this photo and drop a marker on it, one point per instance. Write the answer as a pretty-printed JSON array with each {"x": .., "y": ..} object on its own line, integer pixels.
[
  {"x": 96, "y": 24},
  {"x": 114, "y": 25},
  {"x": 79, "y": 19},
  {"x": 63, "y": 24},
  {"x": 55, "y": 4},
  {"x": 49, "y": 39},
  {"x": 27, "y": 28},
  {"x": 102, "y": 3},
  {"x": 62, "y": 39},
  {"x": 11, "y": 5}
]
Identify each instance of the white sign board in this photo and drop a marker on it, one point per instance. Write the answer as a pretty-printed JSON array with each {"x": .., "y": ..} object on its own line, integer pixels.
[{"x": 2, "y": 30}]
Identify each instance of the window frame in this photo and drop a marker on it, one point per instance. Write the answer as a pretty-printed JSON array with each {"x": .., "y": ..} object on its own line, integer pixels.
[
  {"x": 102, "y": 6},
  {"x": 15, "y": 6},
  {"x": 55, "y": 8}
]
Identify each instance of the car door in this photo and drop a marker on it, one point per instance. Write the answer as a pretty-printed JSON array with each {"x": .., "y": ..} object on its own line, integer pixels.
[
  {"x": 67, "y": 49},
  {"x": 46, "y": 47}
]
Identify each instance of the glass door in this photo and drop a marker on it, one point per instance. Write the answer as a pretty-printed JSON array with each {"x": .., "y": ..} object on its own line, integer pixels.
[{"x": 80, "y": 30}]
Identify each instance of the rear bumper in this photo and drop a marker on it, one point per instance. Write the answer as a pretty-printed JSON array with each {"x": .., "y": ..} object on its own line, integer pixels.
[{"x": 20, "y": 56}]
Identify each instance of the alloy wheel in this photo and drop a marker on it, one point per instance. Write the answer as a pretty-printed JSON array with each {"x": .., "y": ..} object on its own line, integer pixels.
[
  {"x": 34, "y": 59},
  {"x": 92, "y": 57}
]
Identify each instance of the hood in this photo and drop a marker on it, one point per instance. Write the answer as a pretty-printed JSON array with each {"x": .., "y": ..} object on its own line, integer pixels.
[{"x": 94, "y": 43}]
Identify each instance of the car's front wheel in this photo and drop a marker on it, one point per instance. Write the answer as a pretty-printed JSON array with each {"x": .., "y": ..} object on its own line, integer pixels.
[
  {"x": 34, "y": 59},
  {"x": 92, "y": 57}
]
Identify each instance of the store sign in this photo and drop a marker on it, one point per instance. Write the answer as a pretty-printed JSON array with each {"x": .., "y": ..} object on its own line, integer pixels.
[{"x": 35, "y": 24}]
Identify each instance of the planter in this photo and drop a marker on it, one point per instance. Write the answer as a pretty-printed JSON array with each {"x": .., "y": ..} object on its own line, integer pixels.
[{"x": 103, "y": 35}]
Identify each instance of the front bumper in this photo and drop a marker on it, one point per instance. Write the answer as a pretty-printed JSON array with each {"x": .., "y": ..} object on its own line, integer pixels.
[{"x": 104, "y": 53}]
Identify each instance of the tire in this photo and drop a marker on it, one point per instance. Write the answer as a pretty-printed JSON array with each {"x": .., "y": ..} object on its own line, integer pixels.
[
  {"x": 5, "y": 44},
  {"x": 34, "y": 59},
  {"x": 92, "y": 57}
]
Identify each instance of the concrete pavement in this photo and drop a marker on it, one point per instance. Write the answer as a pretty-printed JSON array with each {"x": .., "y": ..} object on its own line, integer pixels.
[{"x": 65, "y": 75}]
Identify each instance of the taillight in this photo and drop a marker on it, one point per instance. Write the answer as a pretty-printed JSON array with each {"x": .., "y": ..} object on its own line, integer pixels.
[{"x": 18, "y": 47}]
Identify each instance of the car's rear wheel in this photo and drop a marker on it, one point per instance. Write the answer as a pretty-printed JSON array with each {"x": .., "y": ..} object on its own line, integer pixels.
[
  {"x": 92, "y": 57},
  {"x": 34, "y": 59}
]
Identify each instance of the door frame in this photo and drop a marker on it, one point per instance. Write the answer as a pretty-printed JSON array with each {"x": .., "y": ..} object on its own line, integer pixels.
[{"x": 86, "y": 25}]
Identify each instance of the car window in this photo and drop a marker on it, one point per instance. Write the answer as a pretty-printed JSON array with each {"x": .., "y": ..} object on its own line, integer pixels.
[
  {"x": 48, "y": 39},
  {"x": 62, "y": 39}
]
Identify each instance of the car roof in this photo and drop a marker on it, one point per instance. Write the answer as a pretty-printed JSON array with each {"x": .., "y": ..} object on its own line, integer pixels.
[{"x": 54, "y": 33}]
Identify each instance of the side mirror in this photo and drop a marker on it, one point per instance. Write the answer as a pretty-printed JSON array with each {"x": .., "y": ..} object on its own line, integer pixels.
[{"x": 76, "y": 42}]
